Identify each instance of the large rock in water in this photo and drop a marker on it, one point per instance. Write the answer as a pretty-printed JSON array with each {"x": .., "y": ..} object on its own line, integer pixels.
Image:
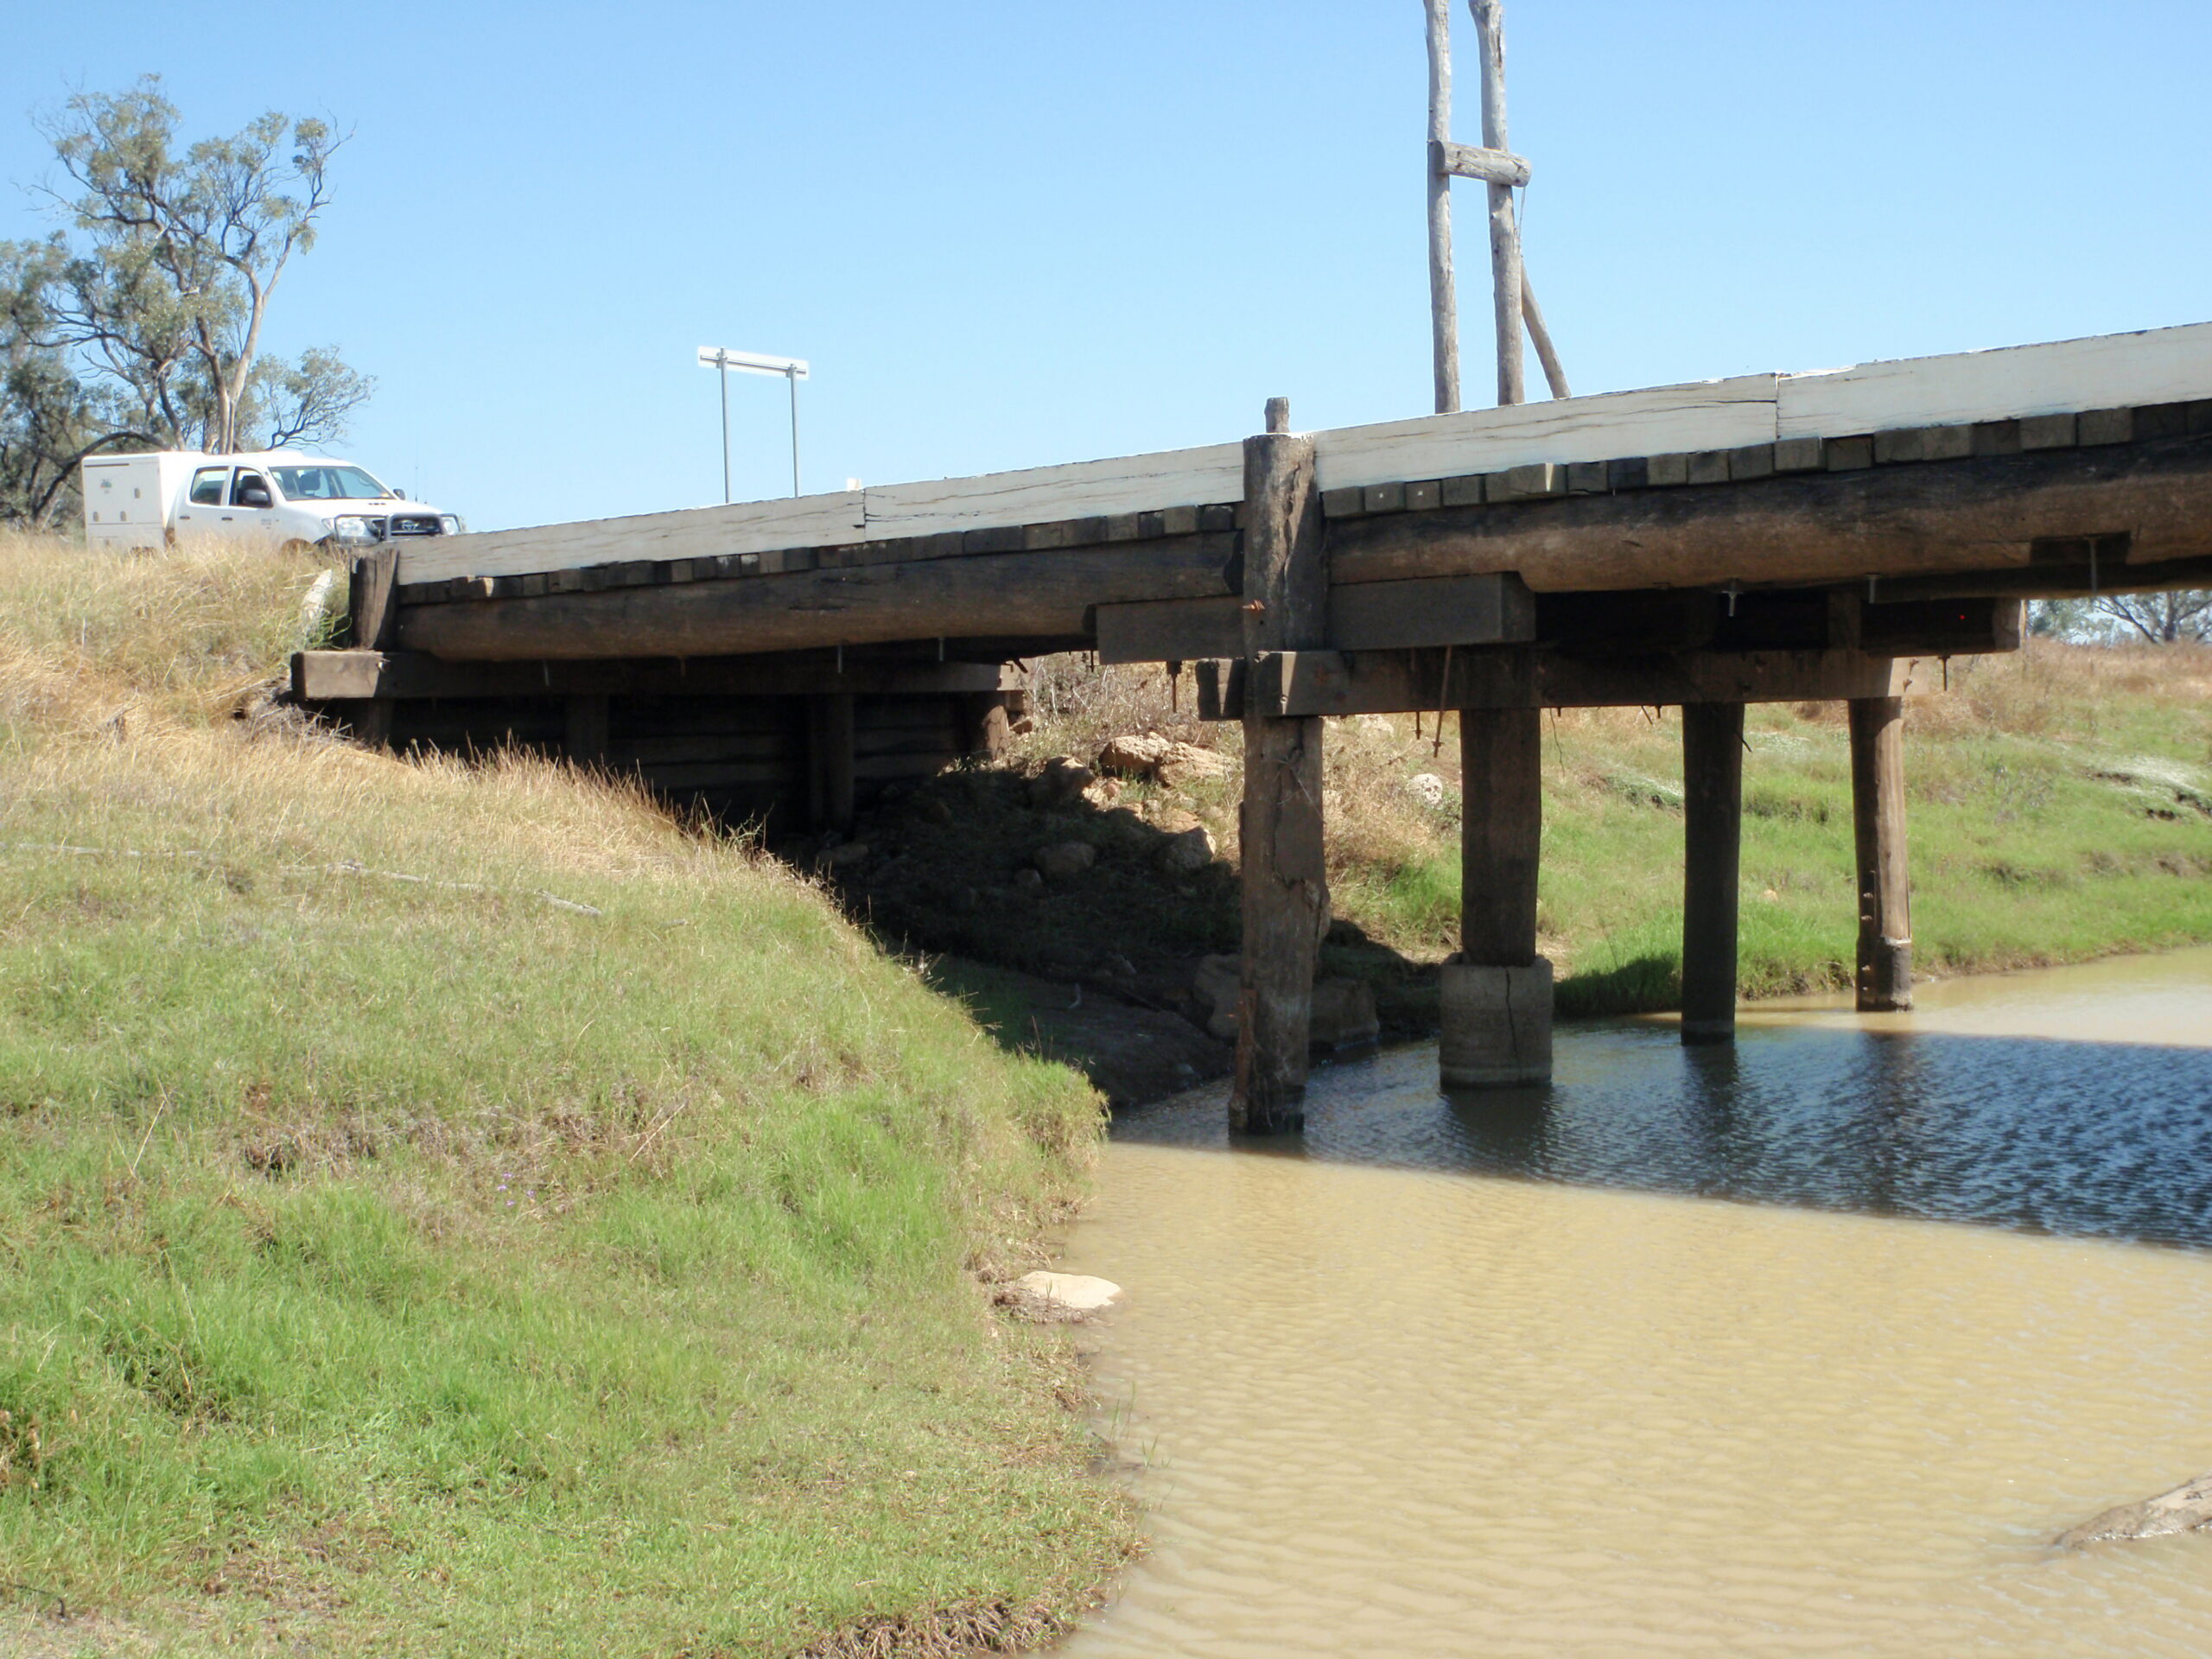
[
  {"x": 2187, "y": 1508},
  {"x": 1343, "y": 1014},
  {"x": 1045, "y": 1298},
  {"x": 1344, "y": 1008}
]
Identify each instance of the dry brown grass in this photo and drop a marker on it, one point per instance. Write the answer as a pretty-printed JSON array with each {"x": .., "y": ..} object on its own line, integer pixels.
[{"x": 2028, "y": 720}]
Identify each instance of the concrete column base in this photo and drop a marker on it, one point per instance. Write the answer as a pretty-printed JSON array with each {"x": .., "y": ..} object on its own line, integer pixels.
[
  {"x": 1497, "y": 1025},
  {"x": 1884, "y": 974}
]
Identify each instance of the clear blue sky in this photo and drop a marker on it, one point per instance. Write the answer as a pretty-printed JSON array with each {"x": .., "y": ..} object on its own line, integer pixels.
[{"x": 1012, "y": 234}]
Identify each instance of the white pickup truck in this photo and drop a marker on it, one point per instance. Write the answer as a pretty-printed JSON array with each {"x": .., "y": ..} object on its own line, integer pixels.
[{"x": 275, "y": 495}]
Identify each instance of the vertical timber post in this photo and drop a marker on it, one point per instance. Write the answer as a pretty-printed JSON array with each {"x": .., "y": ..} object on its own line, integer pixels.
[
  {"x": 1286, "y": 890},
  {"x": 585, "y": 720},
  {"x": 372, "y": 615},
  {"x": 1497, "y": 998},
  {"x": 1884, "y": 979},
  {"x": 830, "y": 760},
  {"x": 1712, "y": 802}
]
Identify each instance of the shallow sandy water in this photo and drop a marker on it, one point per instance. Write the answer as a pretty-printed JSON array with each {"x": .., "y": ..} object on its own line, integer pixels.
[{"x": 1806, "y": 1349}]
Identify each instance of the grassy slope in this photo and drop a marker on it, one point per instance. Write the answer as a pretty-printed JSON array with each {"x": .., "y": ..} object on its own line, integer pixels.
[
  {"x": 427, "y": 1265},
  {"x": 2060, "y": 808}
]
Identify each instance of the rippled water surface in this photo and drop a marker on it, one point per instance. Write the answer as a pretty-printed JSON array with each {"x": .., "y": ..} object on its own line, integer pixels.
[{"x": 1806, "y": 1349}]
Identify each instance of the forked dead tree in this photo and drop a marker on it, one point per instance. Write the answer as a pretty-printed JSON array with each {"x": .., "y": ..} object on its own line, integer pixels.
[{"x": 1501, "y": 171}]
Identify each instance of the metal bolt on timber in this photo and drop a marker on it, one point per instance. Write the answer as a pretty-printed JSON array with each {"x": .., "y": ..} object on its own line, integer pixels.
[{"x": 1285, "y": 895}]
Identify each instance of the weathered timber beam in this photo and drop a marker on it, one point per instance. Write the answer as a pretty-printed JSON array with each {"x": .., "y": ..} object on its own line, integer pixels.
[
  {"x": 610, "y": 570},
  {"x": 1489, "y": 609},
  {"x": 1515, "y": 676},
  {"x": 1471, "y": 161},
  {"x": 1942, "y": 628},
  {"x": 370, "y": 607},
  {"x": 1170, "y": 630},
  {"x": 2070, "y": 579},
  {"x": 994, "y": 594},
  {"x": 1981, "y": 514},
  {"x": 330, "y": 675}
]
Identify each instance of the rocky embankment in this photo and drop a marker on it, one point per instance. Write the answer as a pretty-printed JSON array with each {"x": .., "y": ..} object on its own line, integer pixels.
[{"x": 1084, "y": 905}]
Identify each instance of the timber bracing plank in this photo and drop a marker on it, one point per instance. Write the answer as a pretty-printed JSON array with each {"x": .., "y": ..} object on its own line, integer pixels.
[
  {"x": 1400, "y": 681},
  {"x": 1488, "y": 609},
  {"x": 332, "y": 676}
]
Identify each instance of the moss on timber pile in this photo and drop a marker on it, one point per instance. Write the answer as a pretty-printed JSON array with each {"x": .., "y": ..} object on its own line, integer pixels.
[{"x": 450, "y": 1210}]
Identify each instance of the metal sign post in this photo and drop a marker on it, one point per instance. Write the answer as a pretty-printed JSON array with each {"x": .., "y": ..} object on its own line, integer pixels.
[{"x": 793, "y": 369}]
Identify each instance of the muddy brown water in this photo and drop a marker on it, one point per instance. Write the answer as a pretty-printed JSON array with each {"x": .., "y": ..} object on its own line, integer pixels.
[{"x": 1809, "y": 1348}]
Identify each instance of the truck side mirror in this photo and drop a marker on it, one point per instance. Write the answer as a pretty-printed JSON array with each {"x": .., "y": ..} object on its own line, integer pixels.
[{"x": 254, "y": 496}]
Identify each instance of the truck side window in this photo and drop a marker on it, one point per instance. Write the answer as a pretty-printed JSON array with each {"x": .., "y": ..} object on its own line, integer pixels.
[{"x": 208, "y": 486}]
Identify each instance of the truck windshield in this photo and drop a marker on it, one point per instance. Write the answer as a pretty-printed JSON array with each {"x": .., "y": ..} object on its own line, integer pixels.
[{"x": 327, "y": 484}]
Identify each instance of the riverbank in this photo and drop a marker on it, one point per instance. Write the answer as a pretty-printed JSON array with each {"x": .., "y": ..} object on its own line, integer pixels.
[{"x": 458, "y": 1209}]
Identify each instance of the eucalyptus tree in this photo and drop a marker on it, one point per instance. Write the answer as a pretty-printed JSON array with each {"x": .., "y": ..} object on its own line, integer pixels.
[{"x": 141, "y": 322}]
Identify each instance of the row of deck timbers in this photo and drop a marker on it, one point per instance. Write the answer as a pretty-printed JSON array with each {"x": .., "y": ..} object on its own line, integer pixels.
[{"x": 783, "y": 684}]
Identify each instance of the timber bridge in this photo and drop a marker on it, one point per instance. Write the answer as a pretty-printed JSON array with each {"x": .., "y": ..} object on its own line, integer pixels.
[{"x": 1764, "y": 538}]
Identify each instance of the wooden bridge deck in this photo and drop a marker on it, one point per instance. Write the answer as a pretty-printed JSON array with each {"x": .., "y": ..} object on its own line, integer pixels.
[
  {"x": 1762, "y": 537},
  {"x": 2032, "y": 470}
]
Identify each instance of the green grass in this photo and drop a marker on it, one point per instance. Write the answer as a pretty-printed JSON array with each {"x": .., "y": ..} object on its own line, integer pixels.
[
  {"x": 2078, "y": 838},
  {"x": 585, "y": 1250}
]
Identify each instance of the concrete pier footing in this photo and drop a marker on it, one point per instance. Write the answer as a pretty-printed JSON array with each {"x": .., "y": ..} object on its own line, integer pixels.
[{"x": 1496, "y": 1025}]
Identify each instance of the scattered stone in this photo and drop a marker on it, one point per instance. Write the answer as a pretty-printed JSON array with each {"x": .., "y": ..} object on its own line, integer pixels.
[
  {"x": 1172, "y": 819},
  {"x": 1063, "y": 779},
  {"x": 1379, "y": 724},
  {"x": 1104, "y": 792},
  {"x": 1186, "y": 762},
  {"x": 1058, "y": 1298},
  {"x": 1065, "y": 860},
  {"x": 1028, "y": 882},
  {"x": 1187, "y": 852},
  {"x": 2187, "y": 1508},
  {"x": 1431, "y": 791},
  {"x": 843, "y": 856},
  {"x": 1118, "y": 965},
  {"x": 1216, "y": 983},
  {"x": 1343, "y": 1008},
  {"x": 1133, "y": 755},
  {"x": 934, "y": 809},
  {"x": 1160, "y": 759}
]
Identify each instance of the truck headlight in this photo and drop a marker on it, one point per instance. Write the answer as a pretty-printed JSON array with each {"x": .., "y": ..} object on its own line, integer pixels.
[
  {"x": 352, "y": 529},
  {"x": 449, "y": 525}
]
